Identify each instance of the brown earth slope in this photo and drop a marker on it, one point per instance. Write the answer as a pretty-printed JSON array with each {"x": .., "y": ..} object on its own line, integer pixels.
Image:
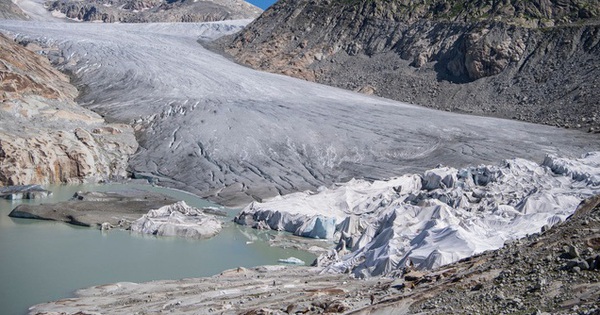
[{"x": 535, "y": 61}]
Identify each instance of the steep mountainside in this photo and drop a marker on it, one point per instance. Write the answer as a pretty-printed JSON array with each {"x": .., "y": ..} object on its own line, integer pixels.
[
  {"x": 44, "y": 136},
  {"x": 10, "y": 11},
  {"x": 530, "y": 60},
  {"x": 141, "y": 11}
]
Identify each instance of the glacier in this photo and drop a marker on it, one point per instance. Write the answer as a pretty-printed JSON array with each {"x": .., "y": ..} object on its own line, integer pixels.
[
  {"x": 235, "y": 135},
  {"x": 391, "y": 183},
  {"x": 435, "y": 218}
]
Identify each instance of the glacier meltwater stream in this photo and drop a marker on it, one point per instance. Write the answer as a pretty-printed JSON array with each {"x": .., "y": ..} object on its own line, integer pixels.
[{"x": 42, "y": 261}]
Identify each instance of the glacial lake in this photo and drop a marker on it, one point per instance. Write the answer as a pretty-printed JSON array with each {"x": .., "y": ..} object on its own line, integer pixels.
[{"x": 42, "y": 261}]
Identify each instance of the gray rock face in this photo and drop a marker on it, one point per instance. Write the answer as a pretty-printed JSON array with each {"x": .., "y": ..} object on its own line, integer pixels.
[
  {"x": 526, "y": 60},
  {"x": 144, "y": 11},
  {"x": 179, "y": 220}
]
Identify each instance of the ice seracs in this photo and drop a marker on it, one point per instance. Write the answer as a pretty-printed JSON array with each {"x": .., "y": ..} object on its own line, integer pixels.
[{"x": 432, "y": 219}]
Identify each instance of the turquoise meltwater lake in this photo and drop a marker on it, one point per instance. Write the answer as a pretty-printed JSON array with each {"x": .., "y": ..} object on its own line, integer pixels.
[{"x": 42, "y": 261}]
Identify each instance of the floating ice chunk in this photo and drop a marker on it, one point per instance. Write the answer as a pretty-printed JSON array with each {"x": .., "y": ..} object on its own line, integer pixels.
[
  {"x": 177, "y": 219},
  {"x": 292, "y": 261}
]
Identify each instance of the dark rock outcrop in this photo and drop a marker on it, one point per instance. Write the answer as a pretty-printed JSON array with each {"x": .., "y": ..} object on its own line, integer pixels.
[
  {"x": 535, "y": 61},
  {"x": 143, "y": 11}
]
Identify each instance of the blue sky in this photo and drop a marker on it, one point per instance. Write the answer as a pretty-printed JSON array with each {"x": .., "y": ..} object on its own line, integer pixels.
[{"x": 263, "y": 4}]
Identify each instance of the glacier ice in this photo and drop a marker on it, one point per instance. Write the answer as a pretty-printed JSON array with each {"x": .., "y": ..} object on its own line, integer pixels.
[
  {"x": 227, "y": 132},
  {"x": 434, "y": 218},
  {"x": 179, "y": 220}
]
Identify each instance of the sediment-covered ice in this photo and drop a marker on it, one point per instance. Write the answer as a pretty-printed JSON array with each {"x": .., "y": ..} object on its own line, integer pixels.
[
  {"x": 221, "y": 130},
  {"x": 434, "y": 218},
  {"x": 179, "y": 220}
]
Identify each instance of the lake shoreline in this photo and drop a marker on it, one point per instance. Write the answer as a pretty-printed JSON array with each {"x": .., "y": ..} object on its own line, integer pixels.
[{"x": 47, "y": 260}]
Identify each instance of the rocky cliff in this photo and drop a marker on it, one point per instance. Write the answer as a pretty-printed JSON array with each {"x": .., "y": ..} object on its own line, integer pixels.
[
  {"x": 530, "y": 60},
  {"x": 45, "y": 137},
  {"x": 141, "y": 11}
]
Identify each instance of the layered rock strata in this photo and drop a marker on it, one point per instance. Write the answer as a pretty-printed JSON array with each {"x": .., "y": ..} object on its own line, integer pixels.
[{"x": 45, "y": 137}]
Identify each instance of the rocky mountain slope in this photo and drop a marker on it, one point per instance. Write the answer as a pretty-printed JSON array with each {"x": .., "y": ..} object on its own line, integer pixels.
[
  {"x": 10, "y": 11},
  {"x": 529, "y": 60},
  {"x": 141, "y": 11},
  {"x": 45, "y": 137}
]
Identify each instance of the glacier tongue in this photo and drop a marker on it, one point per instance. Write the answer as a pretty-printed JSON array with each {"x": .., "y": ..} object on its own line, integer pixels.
[
  {"x": 223, "y": 131},
  {"x": 431, "y": 219}
]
